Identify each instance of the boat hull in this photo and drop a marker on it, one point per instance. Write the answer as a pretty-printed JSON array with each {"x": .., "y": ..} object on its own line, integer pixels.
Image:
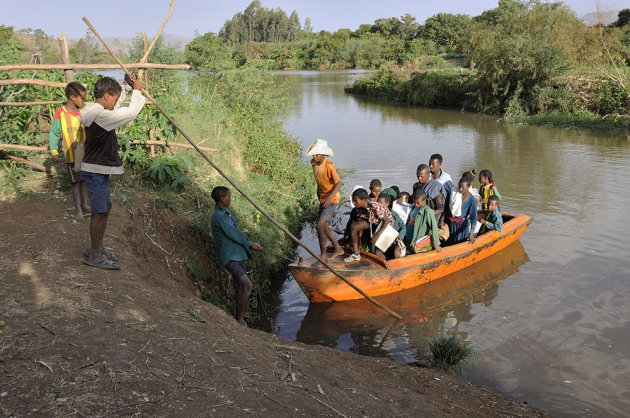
[{"x": 320, "y": 285}]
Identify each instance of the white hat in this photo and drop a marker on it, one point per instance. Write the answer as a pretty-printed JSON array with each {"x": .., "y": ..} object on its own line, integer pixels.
[{"x": 320, "y": 146}]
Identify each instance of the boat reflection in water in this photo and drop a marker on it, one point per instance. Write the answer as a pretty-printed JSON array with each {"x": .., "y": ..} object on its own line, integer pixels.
[{"x": 361, "y": 327}]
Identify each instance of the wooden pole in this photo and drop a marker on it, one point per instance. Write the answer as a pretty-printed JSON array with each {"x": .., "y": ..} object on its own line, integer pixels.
[
  {"x": 148, "y": 50},
  {"x": 146, "y": 86},
  {"x": 245, "y": 195},
  {"x": 49, "y": 102},
  {"x": 23, "y": 147},
  {"x": 65, "y": 57},
  {"x": 92, "y": 66},
  {"x": 168, "y": 144},
  {"x": 46, "y": 83},
  {"x": 23, "y": 161}
]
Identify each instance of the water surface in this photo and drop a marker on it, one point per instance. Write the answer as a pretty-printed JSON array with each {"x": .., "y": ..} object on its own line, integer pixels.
[{"x": 548, "y": 316}]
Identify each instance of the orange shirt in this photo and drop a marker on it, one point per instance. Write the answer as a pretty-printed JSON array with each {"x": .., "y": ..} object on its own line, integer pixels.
[{"x": 326, "y": 177}]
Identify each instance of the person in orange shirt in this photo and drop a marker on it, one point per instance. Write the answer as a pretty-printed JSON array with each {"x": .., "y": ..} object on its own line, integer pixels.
[{"x": 328, "y": 185}]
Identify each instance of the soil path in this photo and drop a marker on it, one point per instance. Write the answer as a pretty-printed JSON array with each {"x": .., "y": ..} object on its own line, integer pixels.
[{"x": 84, "y": 341}]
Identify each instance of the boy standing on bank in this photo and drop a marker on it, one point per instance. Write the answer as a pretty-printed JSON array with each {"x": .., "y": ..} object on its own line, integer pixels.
[
  {"x": 67, "y": 127},
  {"x": 102, "y": 160},
  {"x": 328, "y": 185},
  {"x": 233, "y": 248}
]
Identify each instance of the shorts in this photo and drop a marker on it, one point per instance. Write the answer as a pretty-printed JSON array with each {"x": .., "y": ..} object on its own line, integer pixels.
[
  {"x": 75, "y": 176},
  {"x": 98, "y": 189},
  {"x": 326, "y": 214},
  {"x": 236, "y": 268}
]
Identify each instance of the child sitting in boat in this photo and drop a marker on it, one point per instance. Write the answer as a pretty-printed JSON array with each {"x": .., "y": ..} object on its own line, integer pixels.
[
  {"x": 463, "y": 216},
  {"x": 377, "y": 215},
  {"x": 494, "y": 219},
  {"x": 375, "y": 189},
  {"x": 487, "y": 188},
  {"x": 395, "y": 250},
  {"x": 455, "y": 199},
  {"x": 422, "y": 232}
]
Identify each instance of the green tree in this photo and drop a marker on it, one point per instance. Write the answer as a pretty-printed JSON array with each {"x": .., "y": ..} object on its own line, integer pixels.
[
  {"x": 409, "y": 27},
  {"x": 209, "y": 52},
  {"x": 387, "y": 26},
  {"x": 623, "y": 18},
  {"x": 449, "y": 30},
  {"x": 308, "y": 28},
  {"x": 519, "y": 54}
]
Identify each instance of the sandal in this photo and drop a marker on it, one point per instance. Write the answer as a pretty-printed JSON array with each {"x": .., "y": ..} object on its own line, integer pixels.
[
  {"x": 353, "y": 257},
  {"x": 101, "y": 262},
  {"x": 112, "y": 256}
]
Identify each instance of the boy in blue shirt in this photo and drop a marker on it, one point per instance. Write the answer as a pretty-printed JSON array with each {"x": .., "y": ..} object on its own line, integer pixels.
[
  {"x": 494, "y": 219},
  {"x": 233, "y": 248}
]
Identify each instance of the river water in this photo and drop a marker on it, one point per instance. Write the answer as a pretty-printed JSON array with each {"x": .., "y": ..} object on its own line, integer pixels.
[{"x": 549, "y": 317}]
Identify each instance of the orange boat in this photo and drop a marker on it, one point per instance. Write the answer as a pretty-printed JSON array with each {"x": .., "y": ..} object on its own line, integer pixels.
[{"x": 377, "y": 276}]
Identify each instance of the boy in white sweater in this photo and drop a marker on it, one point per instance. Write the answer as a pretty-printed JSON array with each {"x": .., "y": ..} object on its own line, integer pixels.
[{"x": 101, "y": 158}]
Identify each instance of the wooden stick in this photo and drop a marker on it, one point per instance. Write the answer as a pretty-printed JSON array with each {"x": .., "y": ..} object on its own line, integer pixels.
[
  {"x": 171, "y": 144},
  {"x": 92, "y": 66},
  {"x": 146, "y": 73},
  {"x": 23, "y": 147},
  {"x": 148, "y": 50},
  {"x": 245, "y": 195},
  {"x": 23, "y": 161},
  {"x": 65, "y": 57},
  {"x": 49, "y": 102},
  {"x": 46, "y": 83}
]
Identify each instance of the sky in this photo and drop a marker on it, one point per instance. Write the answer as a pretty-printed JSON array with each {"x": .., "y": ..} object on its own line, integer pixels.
[{"x": 125, "y": 18}]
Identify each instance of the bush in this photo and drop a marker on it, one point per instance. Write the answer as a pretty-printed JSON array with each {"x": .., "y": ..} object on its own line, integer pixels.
[{"x": 449, "y": 352}]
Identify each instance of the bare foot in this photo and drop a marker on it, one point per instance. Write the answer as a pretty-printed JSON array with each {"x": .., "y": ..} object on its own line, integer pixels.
[
  {"x": 78, "y": 215},
  {"x": 338, "y": 251},
  {"x": 85, "y": 210},
  {"x": 242, "y": 322}
]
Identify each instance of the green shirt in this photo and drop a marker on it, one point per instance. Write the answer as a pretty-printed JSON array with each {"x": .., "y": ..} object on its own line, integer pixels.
[
  {"x": 232, "y": 243},
  {"x": 424, "y": 223}
]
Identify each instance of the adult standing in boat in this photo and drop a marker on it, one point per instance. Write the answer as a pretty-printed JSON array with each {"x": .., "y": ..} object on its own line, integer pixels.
[
  {"x": 328, "y": 185},
  {"x": 434, "y": 190},
  {"x": 462, "y": 219},
  {"x": 435, "y": 167}
]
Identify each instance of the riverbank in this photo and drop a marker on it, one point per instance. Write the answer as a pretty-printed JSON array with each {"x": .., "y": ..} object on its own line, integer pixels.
[
  {"x": 79, "y": 340},
  {"x": 580, "y": 102}
]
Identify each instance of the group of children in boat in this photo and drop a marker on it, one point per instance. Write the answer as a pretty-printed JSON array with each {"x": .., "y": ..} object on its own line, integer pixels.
[{"x": 392, "y": 223}]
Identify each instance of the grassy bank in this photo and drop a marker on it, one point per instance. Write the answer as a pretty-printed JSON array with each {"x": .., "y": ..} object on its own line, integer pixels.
[
  {"x": 580, "y": 102},
  {"x": 253, "y": 149}
]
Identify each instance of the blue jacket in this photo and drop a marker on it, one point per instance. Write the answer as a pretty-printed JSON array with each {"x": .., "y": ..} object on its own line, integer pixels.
[
  {"x": 232, "y": 243},
  {"x": 495, "y": 220}
]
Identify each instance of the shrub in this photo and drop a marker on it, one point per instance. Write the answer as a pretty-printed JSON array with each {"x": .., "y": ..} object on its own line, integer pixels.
[
  {"x": 449, "y": 352},
  {"x": 170, "y": 169}
]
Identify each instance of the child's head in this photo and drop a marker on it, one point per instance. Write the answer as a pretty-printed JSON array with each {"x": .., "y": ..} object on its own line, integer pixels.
[
  {"x": 435, "y": 163},
  {"x": 485, "y": 177},
  {"x": 222, "y": 196},
  {"x": 464, "y": 185},
  {"x": 75, "y": 93},
  {"x": 395, "y": 188},
  {"x": 423, "y": 173},
  {"x": 375, "y": 187},
  {"x": 359, "y": 198},
  {"x": 493, "y": 203},
  {"x": 385, "y": 199},
  {"x": 419, "y": 197},
  {"x": 470, "y": 175},
  {"x": 403, "y": 197},
  {"x": 107, "y": 92}
]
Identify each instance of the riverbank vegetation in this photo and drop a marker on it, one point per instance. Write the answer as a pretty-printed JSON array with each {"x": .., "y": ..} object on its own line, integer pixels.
[
  {"x": 219, "y": 111},
  {"x": 530, "y": 62}
]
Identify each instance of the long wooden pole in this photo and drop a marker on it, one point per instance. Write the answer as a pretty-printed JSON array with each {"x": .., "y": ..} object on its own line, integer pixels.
[
  {"x": 18, "y": 81},
  {"x": 23, "y": 161},
  {"x": 245, "y": 195},
  {"x": 23, "y": 147},
  {"x": 147, "y": 51},
  {"x": 92, "y": 66},
  {"x": 47, "y": 102}
]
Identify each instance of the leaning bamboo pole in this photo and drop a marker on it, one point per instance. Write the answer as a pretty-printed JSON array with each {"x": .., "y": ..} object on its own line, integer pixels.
[
  {"x": 65, "y": 57},
  {"x": 147, "y": 51},
  {"x": 168, "y": 144},
  {"x": 245, "y": 195},
  {"x": 42, "y": 67}
]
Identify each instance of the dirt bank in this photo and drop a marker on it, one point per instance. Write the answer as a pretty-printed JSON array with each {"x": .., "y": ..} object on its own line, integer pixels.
[{"x": 84, "y": 341}]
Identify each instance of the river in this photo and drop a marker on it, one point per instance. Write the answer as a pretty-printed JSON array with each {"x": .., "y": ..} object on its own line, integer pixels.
[{"x": 548, "y": 316}]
